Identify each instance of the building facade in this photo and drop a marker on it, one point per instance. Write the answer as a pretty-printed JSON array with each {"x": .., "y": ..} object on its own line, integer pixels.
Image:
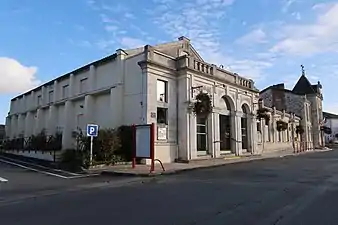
[
  {"x": 151, "y": 84},
  {"x": 305, "y": 101}
]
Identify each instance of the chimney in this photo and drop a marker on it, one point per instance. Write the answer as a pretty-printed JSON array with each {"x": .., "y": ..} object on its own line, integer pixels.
[{"x": 185, "y": 39}]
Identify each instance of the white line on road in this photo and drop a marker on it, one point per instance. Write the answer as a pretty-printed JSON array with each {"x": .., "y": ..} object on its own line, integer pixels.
[
  {"x": 40, "y": 166},
  {"x": 3, "y": 180},
  {"x": 32, "y": 169}
]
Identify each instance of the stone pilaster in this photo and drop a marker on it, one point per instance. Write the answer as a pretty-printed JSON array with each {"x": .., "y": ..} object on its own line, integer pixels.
[
  {"x": 28, "y": 124},
  {"x": 43, "y": 95},
  {"x": 67, "y": 139},
  {"x": 183, "y": 119},
  {"x": 8, "y": 126},
  {"x": 253, "y": 133},
  {"x": 72, "y": 87},
  {"x": 38, "y": 121},
  {"x": 21, "y": 124},
  {"x": 216, "y": 140},
  {"x": 116, "y": 108},
  {"x": 88, "y": 109},
  {"x": 14, "y": 122},
  {"x": 51, "y": 122},
  {"x": 56, "y": 91},
  {"x": 238, "y": 133},
  {"x": 193, "y": 137},
  {"x": 92, "y": 78}
]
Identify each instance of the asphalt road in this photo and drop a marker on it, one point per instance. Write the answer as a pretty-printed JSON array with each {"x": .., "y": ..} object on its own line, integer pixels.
[
  {"x": 21, "y": 181},
  {"x": 290, "y": 190}
]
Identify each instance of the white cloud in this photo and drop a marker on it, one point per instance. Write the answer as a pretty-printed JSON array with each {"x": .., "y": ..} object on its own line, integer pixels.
[
  {"x": 16, "y": 77},
  {"x": 286, "y": 4},
  {"x": 309, "y": 39},
  {"x": 252, "y": 69},
  {"x": 199, "y": 21},
  {"x": 129, "y": 15},
  {"x": 253, "y": 37},
  {"x": 196, "y": 20},
  {"x": 128, "y": 42},
  {"x": 296, "y": 15},
  {"x": 111, "y": 28},
  {"x": 116, "y": 33}
]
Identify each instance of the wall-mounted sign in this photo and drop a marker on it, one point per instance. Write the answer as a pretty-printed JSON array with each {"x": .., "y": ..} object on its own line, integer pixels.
[
  {"x": 161, "y": 133},
  {"x": 153, "y": 114}
]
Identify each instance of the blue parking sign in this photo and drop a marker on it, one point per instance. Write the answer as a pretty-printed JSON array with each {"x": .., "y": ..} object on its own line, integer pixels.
[{"x": 92, "y": 130}]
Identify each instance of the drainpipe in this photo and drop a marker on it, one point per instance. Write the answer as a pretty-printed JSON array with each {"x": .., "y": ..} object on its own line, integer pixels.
[
  {"x": 213, "y": 123},
  {"x": 177, "y": 119}
]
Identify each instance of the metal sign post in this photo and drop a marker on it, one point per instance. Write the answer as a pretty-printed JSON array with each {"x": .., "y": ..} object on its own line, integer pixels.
[
  {"x": 91, "y": 150},
  {"x": 92, "y": 131}
]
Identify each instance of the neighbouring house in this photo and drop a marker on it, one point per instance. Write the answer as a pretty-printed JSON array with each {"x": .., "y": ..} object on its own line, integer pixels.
[
  {"x": 331, "y": 121},
  {"x": 305, "y": 101},
  {"x": 278, "y": 130}
]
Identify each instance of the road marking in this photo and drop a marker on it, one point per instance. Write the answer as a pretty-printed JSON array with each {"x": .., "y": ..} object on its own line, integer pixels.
[
  {"x": 84, "y": 175},
  {"x": 74, "y": 175},
  {"x": 3, "y": 180},
  {"x": 32, "y": 169},
  {"x": 40, "y": 166}
]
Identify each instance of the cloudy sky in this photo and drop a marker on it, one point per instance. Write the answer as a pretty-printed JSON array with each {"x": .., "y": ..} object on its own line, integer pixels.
[{"x": 266, "y": 40}]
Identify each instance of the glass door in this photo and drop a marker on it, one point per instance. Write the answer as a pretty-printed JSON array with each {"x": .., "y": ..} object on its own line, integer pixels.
[
  {"x": 244, "y": 129},
  {"x": 225, "y": 134},
  {"x": 202, "y": 135}
]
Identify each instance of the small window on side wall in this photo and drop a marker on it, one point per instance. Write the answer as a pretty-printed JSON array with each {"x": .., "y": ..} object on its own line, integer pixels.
[
  {"x": 50, "y": 96},
  {"x": 162, "y": 116},
  {"x": 39, "y": 100},
  {"x": 83, "y": 85},
  {"x": 162, "y": 91}
]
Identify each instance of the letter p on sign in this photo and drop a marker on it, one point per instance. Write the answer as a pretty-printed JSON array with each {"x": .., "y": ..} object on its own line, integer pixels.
[{"x": 92, "y": 130}]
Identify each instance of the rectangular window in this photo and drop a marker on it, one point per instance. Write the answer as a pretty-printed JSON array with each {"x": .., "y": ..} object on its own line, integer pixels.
[
  {"x": 83, "y": 85},
  {"x": 51, "y": 96},
  {"x": 162, "y": 91},
  {"x": 65, "y": 91},
  {"x": 39, "y": 100},
  {"x": 162, "y": 116}
]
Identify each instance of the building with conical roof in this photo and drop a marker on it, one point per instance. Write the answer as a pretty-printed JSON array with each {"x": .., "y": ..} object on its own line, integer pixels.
[{"x": 304, "y": 100}]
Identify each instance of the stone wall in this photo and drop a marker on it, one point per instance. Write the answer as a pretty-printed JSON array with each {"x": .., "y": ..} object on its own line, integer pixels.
[
  {"x": 269, "y": 139},
  {"x": 300, "y": 105}
]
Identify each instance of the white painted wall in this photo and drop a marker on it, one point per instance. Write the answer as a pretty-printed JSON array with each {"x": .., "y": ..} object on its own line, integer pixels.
[
  {"x": 333, "y": 124},
  {"x": 106, "y": 101}
]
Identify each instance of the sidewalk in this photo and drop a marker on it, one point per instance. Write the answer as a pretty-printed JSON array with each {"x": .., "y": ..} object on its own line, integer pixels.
[{"x": 174, "y": 168}]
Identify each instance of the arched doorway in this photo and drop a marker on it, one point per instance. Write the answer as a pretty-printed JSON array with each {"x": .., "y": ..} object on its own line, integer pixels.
[
  {"x": 245, "y": 127},
  {"x": 225, "y": 126}
]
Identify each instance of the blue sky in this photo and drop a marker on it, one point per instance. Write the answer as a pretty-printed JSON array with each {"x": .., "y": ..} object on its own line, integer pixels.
[{"x": 266, "y": 40}]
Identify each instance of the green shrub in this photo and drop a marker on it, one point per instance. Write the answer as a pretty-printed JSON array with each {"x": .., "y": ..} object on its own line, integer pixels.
[
  {"x": 72, "y": 159},
  {"x": 126, "y": 148}
]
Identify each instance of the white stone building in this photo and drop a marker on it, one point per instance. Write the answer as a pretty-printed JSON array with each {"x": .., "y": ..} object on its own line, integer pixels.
[{"x": 151, "y": 84}]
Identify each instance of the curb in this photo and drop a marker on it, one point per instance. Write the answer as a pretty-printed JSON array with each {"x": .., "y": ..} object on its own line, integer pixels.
[{"x": 173, "y": 172}]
